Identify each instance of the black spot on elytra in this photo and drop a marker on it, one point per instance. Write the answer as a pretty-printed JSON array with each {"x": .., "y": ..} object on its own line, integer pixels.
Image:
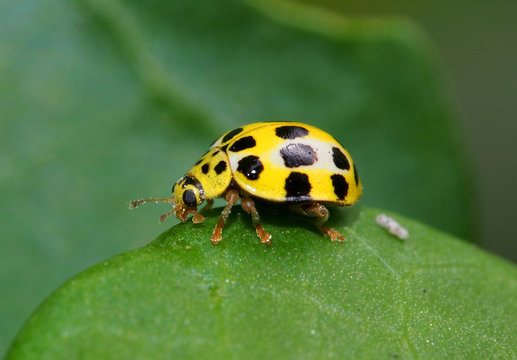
[
  {"x": 224, "y": 148},
  {"x": 340, "y": 186},
  {"x": 291, "y": 132},
  {"x": 297, "y": 187},
  {"x": 251, "y": 167},
  {"x": 356, "y": 176},
  {"x": 220, "y": 167},
  {"x": 215, "y": 153},
  {"x": 231, "y": 134},
  {"x": 189, "y": 198},
  {"x": 246, "y": 142},
  {"x": 205, "y": 169},
  {"x": 295, "y": 155},
  {"x": 340, "y": 159}
]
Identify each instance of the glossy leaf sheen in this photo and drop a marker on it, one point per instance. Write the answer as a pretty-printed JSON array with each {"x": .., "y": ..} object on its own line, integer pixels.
[{"x": 375, "y": 296}]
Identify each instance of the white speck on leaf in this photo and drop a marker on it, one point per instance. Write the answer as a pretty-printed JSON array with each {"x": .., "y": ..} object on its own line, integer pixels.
[{"x": 392, "y": 226}]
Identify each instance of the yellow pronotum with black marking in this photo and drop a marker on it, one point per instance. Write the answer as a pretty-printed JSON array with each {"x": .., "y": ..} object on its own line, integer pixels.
[{"x": 289, "y": 163}]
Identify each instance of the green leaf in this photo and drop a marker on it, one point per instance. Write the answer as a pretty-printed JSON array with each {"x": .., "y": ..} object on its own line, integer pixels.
[
  {"x": 373, "y": 297},
  {"x": 104, "y": 101}
]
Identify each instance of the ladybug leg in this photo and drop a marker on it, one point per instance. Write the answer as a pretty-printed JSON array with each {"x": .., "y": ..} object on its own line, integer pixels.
[
  {"x": 197, "y": 217},
  {"x": 249, "y": 206},
  {"x": 231, "y": 197},
  {"x": 321, "y": 214},
  {"x": 182, "y": 212}
]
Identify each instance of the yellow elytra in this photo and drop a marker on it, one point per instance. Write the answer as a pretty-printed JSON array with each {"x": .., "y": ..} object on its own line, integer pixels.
[{"x": 287, "y": 163}]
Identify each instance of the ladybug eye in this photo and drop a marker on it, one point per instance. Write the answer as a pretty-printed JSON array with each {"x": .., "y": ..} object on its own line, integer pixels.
[{"x": 189, "y": 198}]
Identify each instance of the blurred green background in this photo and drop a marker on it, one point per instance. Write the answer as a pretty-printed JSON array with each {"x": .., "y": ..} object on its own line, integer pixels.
[
  {"x": 476, "y": 43},
  {"x": 90, "y": 117}
]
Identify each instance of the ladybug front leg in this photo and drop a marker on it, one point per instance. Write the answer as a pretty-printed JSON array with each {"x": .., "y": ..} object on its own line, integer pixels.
[
  {"x": 197, "y": 217},
  {"x": 249, "y": 206},
  {"x": 231, "y": 197},
  {"x": 321, "y": 214}
]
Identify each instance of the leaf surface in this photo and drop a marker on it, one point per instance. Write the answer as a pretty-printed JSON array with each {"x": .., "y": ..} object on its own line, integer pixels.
[{"x": 375, "y": 296}]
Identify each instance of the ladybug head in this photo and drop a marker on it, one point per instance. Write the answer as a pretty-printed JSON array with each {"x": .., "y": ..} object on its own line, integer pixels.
[{"x": 187, "y": 193}]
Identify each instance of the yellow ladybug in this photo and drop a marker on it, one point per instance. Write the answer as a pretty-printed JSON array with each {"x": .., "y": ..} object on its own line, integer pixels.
[{"x": 287, "y": 163}]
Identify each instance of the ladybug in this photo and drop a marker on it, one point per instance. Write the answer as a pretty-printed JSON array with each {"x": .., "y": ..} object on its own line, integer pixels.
[{"x": 282, "y": 163}]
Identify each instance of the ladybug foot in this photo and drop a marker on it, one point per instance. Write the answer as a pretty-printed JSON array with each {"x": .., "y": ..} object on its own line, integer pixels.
[
  {"x": 249, "y": 206},
  {"x": 320, "y": 212},
  {"x": 216, "y": 236},
  {"x": 197, "y": 218},
  {"x": 332, "y": 233},
  {"x": 264, "y": 236}
]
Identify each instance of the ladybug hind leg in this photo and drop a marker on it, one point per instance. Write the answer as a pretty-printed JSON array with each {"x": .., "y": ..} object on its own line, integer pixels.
[
  {"x": 321, "y": 213},
  {"x": 249, "y": 206}
]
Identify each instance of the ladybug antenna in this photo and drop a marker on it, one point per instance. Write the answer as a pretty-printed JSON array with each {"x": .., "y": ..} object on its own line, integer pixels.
[
  {"x": 136, "y": 203},
  {"x": 165, "y": 216}
]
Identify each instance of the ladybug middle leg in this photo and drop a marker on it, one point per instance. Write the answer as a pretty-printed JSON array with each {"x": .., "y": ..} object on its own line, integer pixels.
[
  {"x": 321, "y": 214},
  {"x": 249, "y": 206}
]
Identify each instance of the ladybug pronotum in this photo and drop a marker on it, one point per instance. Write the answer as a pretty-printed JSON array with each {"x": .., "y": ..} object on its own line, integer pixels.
[{"x": 283, "y": 163}]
